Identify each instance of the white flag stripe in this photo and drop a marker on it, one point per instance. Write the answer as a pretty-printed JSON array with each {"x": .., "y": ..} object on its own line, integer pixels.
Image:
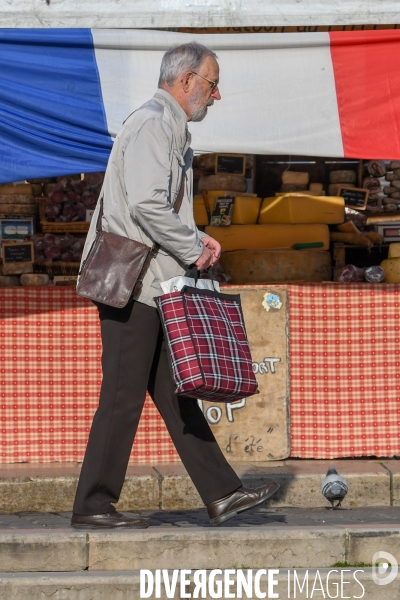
[{"x": 278, "y": 90}]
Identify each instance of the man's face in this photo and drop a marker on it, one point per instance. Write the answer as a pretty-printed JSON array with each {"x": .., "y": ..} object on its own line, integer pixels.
[{"x": 202, "y": 94}]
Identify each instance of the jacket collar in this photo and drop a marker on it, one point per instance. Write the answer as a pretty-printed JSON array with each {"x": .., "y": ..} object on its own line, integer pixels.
[
  {"x": 179, "y": 116},
  {"x": 176, "y": 108}
]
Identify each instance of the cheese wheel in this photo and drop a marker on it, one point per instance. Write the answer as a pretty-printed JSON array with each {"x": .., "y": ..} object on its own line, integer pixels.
[
  {"x": 394, "y": 250},
  {"x": 206, "y": 162},
  {"x": 17, "y": 209},
  {"x": 343, "y": 176},
  {"x": 299, "y": 178},
  {"x": 302, "y": 208},
  {"x": 223, "y": 181},
  {"x": 263, "y": 237},
  {"x": 16, "y": 199},
  {"x": 34, "y": 280},
  {"x": 21, "y": 188},
  {"x": 316, "y": 187},
  {"x": 391, "y": 266},
  {"x": 245, "y": 210},
  {"x": 17, "y": 268},
  {"x": 271, "y": 266}
]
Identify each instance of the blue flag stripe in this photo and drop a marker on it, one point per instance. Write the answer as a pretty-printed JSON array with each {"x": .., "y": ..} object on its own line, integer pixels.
[{"x": 52, "y": 118}]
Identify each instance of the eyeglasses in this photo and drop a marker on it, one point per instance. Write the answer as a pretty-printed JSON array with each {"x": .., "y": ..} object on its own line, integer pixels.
[{"x": 213, "y": 84}]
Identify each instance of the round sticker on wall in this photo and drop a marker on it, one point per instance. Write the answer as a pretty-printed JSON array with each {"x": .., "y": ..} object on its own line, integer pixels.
[{"x": 271, "y": 302}]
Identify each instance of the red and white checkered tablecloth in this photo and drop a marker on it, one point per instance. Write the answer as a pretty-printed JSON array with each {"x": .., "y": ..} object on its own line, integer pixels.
[
  {"x": 344, "y": 370},
  {"x": 344, "y": 362},
  {"x": 50, "y": 375}
]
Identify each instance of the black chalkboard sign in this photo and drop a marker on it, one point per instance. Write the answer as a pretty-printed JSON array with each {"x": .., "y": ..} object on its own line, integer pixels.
[
  {"x": 230, "y": 163},
  {"x": 354, "y": 197},
  {"x": 22, "y": 252}
]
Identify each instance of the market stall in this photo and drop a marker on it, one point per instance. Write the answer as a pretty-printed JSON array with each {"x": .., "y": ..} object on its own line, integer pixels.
[{"x": 307, "y": 214}]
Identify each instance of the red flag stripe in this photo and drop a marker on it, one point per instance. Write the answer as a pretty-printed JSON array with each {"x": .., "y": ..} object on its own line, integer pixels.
[{"x": 366, "y": 67}]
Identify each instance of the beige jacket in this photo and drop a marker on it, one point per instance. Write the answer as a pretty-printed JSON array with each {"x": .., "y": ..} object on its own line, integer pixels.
[{"x": 142, "y": 180}]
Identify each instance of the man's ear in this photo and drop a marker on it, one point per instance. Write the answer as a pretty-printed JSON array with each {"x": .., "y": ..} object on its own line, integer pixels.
[{"x": 186, "y": 81}]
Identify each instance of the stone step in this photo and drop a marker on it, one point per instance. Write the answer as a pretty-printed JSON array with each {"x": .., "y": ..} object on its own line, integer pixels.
[
  {"x": 259, "y": 547},
  {"x": 322, "y": 583},
  {"x": 51, "y": 488}
]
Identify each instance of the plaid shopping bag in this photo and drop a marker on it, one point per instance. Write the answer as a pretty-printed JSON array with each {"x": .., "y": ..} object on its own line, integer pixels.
[{"x": 208, "y": 347}]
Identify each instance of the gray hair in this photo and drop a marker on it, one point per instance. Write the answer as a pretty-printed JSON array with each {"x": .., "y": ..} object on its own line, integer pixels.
[{"x": 181, "y": 59}]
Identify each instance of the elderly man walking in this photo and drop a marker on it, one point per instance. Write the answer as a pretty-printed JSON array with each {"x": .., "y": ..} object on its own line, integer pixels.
[{"x": 149, "y": 161}]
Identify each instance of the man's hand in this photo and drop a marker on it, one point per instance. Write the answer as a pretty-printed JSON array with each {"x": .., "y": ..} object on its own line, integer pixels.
[
  {"x": 214, "y": 246},
  {"x": 205, "y": 259}
]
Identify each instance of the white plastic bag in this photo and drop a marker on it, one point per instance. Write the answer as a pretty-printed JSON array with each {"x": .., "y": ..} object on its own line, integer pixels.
[{"x": 175, "y": 284}]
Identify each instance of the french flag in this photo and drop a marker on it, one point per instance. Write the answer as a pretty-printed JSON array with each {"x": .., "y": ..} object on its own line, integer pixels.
[{"x": 64, "y": 94}]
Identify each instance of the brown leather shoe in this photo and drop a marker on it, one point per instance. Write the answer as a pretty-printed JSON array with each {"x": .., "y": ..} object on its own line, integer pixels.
[
  {"x": 244, "y": 498},
  {"x": 110, "y": 520}
]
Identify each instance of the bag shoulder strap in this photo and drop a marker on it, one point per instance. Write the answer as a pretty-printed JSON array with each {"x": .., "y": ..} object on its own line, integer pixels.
[{"x": 177, "y": 206}]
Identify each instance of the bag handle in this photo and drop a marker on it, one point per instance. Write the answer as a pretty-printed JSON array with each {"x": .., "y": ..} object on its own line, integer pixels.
[{"x": 194, "y": 273}]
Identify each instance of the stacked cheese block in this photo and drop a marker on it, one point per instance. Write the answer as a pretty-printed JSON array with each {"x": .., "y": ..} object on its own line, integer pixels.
[
  {"x": 264, "y": 253},
  {"x": 17, "y": 200},
  {"x": 344, "y": 177},
  {"x": 295, "y": 181},
  {"x": 391, "y": 188}
]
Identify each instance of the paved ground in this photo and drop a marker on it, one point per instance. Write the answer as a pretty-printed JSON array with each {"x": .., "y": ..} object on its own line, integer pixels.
[{"x": 279, "y": 517}]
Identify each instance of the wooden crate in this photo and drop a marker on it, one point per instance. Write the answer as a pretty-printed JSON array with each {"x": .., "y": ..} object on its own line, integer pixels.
[{"x": 49, "y": 227}]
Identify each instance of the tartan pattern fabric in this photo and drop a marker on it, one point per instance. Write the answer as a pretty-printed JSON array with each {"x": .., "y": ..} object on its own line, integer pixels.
[
  {"x": 50, "y": 376},
  {"x": 344, "y": 370},
  {"x": 209, "y": 351}
]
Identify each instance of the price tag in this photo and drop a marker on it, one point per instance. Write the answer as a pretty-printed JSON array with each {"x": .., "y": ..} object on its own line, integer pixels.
[
  {"x": 354, "y": 197},
  {"x": 18, "y": 252}
]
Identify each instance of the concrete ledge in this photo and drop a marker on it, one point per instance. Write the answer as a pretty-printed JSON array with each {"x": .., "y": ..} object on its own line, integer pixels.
[
  {"x": 300, "y": 480},
  {"x": 262, "y": 547},
  {"x": 205, "y": 548},
  {"x": 47, "y": 551},
  {"x": 51, "y": 488},
  {"x": 364, "y": 544},
  {"x": 369, "y": 481},
  {"x": 394, "y": 467},
  {"x": 126, "y": 586}
]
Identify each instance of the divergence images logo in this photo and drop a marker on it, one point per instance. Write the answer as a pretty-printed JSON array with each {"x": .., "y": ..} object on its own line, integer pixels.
[{"x": 387, "y": 568}]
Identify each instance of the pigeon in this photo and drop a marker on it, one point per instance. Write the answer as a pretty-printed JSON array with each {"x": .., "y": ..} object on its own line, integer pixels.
[{"x": 334, "y": 487}]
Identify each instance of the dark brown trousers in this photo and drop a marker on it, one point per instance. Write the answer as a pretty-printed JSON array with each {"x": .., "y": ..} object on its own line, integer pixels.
[{"x": 135, "y": 360}]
